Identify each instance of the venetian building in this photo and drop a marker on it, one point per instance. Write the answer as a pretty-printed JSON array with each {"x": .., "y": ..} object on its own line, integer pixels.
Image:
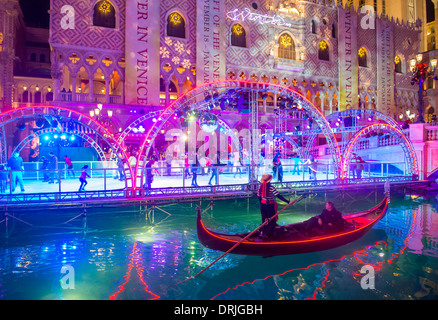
[{"x": 10, "y": 19}]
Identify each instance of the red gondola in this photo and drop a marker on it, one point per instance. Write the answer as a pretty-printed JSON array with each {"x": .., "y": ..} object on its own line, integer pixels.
[{"x": 290, "y": 239}]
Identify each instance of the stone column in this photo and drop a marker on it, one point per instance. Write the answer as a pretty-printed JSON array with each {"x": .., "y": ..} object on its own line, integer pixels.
[
  {"x": 166, "y": 86},
  {"x": 123, "y": 91},
  {"x": 57, "y": 88},
  {"x": 322, "y": 97},
  {"x": 107, "y": 83},
  {"x": 91, "y": 89},
  {"x": 73, "y": 89}
]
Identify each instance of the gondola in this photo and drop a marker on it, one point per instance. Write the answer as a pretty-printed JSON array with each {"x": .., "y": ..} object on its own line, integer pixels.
[{"x": 290, "y": 239}]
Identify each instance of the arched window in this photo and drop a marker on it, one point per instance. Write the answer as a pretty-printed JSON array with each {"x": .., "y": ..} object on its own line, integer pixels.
[
  {"x": 32, "y": 57},
  {"x": 238, "y": 36},
  {"x": 25, "y": 98},
  {"x": 313, "y": 26},
  {"x": 104, "y": 14},
  {"x": 398, "y": 64},
  {"x": 286, "y": 47},
  {"x": 323, "y": 51},
  {"x": 37, "y": 97},
  {"x": 363, "y": 57},
  {"x": 42, "y": 57},
  {"x": 49, "y": 96},
  {"x": 176, "y": 25}
]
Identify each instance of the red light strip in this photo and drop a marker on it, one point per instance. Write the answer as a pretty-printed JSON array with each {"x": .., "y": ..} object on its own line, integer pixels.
[
  {"x": 355, "y": 254},
  {"x": 361, "y": 252},
  {"x": 359, "y": 134},
  {"x": 314, "y": 108},
  {"x": 321, "y": 287},
  {"x": 134, "y": 262},
  {"x": 379, "y": 265}
]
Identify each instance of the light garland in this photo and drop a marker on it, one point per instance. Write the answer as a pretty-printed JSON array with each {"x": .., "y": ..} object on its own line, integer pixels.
[
  {"x": 175, "y": 18},
  {"x": 285, "y": 40},
  {"x": 247, "y": 14},
  {"x": 323, "y": 45},
  {"x": 105, "y": 7},
  {"x": 237, "y": 29}
]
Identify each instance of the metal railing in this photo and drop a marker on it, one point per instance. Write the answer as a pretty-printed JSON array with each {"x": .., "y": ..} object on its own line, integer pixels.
[{"x": 165, "y": 179}]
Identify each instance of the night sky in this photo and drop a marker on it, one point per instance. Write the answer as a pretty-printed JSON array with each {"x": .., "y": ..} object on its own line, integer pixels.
[{"x": 35, "y": 13}]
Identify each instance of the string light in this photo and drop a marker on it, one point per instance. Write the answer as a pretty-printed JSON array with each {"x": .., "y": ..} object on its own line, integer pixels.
[
  {"x": 237, "y": 29},
  {"x": 285, "y": 40},
  {"x": 105, "y": 7},
  {"x": 175, "y": 18}
]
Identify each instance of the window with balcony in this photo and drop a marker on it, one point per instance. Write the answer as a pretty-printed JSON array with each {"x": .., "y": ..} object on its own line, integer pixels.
[{"x": 286, "y": 47}]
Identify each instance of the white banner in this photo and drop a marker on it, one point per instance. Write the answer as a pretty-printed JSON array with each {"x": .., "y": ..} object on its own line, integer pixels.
[
  {"x": 348, "y": 62},
  {"x": 385, "y": 68},
  {"x": 142, "y": 68},
  {"x": 210, "y": 59}
]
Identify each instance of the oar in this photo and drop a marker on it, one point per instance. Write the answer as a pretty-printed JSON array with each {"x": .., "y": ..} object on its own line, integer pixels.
[{"x": 245, "y": 238}]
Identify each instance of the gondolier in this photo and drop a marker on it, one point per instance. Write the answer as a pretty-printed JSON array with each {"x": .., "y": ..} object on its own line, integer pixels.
[{"x": 268, "y": 205}]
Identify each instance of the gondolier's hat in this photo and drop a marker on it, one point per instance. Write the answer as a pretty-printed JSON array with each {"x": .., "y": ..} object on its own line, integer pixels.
[{"x": 266, "y": 177}]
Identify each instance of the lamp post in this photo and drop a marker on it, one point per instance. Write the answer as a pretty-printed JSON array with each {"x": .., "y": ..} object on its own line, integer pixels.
[{"x": 421, "y": 72}]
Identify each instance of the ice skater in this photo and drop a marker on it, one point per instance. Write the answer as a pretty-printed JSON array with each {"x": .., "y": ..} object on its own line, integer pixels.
[{"x": 83, "y": 178}]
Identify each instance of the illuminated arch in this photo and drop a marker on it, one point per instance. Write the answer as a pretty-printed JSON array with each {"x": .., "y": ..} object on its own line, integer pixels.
[
  {"x": 82, "y": 135},
  {"x": 405, "y": 143},
  {"x": 202, "y": 96},
  {"x": 368, "y": 113},
  {"x": 53, "y": 113}
]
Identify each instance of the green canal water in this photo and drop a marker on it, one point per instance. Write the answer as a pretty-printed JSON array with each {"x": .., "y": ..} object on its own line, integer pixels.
[{"x": 122, "y": 256}]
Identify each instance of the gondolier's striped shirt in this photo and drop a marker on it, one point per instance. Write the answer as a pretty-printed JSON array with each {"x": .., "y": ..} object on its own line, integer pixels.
[{"x": 271, "y": 192}]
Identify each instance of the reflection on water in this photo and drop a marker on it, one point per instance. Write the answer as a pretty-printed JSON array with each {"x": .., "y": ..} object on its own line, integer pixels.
[{"x": 123, "y": 257}]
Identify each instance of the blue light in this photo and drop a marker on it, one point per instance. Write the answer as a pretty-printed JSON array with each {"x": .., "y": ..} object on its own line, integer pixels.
[
  {"x": 46, "y": 138},
  {"x": 72, "y": 138},
  {"x": 63, "y": 136}
]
